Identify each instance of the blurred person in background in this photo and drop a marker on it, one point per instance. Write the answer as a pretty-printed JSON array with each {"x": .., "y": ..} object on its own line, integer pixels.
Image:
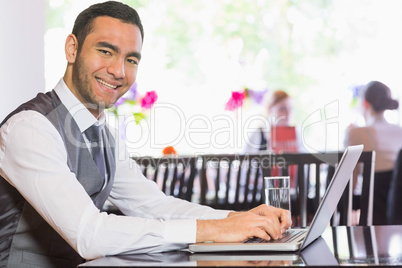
[
  {"x": 279, "y": 110},
  {"x": 380, "y": 136},
  {"x": 277, "y": 134}
]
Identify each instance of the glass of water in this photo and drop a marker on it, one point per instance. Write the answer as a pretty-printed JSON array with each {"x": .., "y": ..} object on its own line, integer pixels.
[{"x": 277, "y": 192}]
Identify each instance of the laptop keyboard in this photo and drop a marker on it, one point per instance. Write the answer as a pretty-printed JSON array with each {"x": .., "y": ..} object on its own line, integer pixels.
[{"x": 288, "y": 236}]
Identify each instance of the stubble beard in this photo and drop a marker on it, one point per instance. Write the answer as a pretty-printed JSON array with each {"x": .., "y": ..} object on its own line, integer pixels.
[{"x": 83, "y": 86}]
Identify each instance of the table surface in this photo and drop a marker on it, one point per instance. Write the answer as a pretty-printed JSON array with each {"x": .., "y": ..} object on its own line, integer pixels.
[{"x": 356, "y": 245}]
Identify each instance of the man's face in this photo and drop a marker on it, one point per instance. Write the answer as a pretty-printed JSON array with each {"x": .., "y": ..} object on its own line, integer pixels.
[{"x": 107, "y": 64}]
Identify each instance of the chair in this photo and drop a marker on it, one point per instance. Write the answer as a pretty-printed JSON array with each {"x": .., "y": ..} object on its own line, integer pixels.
[
  {"x": 231, "y": 181},
  {"x": 364, "y": 202},
  {"x": 235, "y": 182},
  {"x": 174, "y": 175},
  {"x": 394, "y": 212}
]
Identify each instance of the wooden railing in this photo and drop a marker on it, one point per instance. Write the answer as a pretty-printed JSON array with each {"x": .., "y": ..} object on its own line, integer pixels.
[{"x": 234, "y": 182}]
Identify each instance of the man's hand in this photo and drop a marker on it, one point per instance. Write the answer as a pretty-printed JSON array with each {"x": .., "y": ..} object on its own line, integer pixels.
[
  {"x": 284, "y": 216},
  {"x": 263, "y": 221}
]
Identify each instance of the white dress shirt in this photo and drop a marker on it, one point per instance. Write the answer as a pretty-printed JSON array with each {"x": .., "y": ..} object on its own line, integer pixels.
[{"x": 34, "y": 160}]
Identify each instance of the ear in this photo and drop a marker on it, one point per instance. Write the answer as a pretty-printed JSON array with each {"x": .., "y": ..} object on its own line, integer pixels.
[
  {"x": 71, "y": 48},
  {"x": 366, "y": 105}
]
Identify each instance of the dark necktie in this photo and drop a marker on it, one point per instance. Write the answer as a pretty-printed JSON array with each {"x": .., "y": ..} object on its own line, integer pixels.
[{"x": 93, "y": 134}]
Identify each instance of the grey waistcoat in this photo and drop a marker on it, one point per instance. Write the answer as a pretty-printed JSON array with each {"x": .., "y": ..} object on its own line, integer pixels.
[{"x": 26, "y": 239}]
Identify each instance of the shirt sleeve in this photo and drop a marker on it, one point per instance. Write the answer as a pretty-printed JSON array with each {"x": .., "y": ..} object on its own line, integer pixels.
[
  {"x": 33, "y": 159},
  {"x": 137, "y": 196}
]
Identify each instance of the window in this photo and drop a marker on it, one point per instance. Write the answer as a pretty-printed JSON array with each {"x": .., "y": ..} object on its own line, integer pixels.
[{"x": 197, "y": 52}]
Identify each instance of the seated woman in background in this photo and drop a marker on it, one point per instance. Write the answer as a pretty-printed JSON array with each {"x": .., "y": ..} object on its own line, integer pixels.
[
  {"x": 380, "y": 136},
  {"x": 277, "y": 135}
]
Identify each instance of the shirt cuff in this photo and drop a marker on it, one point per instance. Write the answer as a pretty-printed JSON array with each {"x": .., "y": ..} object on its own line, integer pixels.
[
  {"x": 181, "y": 231},
  {"x": 185, "y": 231}
]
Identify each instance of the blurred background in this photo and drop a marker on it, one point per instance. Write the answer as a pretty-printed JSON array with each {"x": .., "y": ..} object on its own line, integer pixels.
[{"x": 196, "y": 53}]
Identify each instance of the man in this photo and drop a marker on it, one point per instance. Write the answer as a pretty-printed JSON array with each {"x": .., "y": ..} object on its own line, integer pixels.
[{"x": 55, "y": 178}]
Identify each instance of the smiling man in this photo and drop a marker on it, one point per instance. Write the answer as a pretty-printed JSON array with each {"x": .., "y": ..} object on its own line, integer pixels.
[{"x": 59, "y": 163}]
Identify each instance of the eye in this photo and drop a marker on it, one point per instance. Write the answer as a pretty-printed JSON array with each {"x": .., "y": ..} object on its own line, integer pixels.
[
  {"x": 104, "y": 52},
  {"x": 132, "y": 61}
]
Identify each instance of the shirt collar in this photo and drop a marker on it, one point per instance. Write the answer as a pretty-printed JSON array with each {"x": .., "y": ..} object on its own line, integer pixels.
[{"x": 79, "y": 112}]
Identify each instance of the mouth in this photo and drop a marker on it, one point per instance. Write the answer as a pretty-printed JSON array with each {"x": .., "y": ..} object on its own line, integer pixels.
[{"x": 106, "y": 84}]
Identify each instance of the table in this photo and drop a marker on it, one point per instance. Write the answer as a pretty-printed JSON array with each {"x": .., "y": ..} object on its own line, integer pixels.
[{"x": 341, "y": 245}]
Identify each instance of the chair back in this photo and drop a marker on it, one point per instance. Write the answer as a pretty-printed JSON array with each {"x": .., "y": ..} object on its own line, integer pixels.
[
  {"x": 231, "y": 181},
  {"x": 394, "y": 212},
  {"x": 363, "y": 202},
  {"x": 174, "y": 175}
]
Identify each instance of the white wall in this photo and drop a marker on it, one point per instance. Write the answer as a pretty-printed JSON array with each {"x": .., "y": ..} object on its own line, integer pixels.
[{"x": 22, "y": 28}]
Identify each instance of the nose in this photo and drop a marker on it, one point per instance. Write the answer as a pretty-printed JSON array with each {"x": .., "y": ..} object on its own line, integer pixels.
[{"x": 116, "y": 68}]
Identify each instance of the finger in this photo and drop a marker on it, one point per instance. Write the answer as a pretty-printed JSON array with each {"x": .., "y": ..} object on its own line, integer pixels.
[
  {"x": 273, "y": 228},
  {"x": 286, "y": 219},
  {"x": 261, "y": 233},
  {"x": 275, "y": 219},
  {"x": 263, "y": 226},
  {"x": 284, "y": 216},
  {"x": 270, "y": 220}
]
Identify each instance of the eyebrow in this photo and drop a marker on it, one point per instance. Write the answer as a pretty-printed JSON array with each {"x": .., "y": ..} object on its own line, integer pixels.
[{"x": 116, "y": 49}]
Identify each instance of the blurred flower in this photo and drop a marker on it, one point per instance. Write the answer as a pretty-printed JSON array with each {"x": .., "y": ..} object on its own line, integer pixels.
[
  {"x": 130, "y": 96},
  {"x": 134, "y": 104},
  {"x": 149, "y": 99},
  {"x": 236, "y": 100},
  {"x": 132, "y": 92},
  {"x": 256, "y": 95},
  {"x": 238, "y": 97},
  {"x": 119, "y": 102},
  {"x": 169, "y": 150},
  {"x": 357, "y": 92}
]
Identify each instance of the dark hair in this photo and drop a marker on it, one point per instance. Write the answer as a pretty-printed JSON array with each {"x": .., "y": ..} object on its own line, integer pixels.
[
  {"x": 379, "y": 96},
  {"x": 84, "y": 21}
]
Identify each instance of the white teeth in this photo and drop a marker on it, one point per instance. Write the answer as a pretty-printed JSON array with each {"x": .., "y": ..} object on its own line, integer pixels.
[{"x": 106, "y": 84}]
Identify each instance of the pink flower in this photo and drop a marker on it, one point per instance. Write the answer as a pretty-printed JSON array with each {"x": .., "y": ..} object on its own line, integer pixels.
[
  {"x": 149, "y": 99},
  {"x": 236, "y": 100}
]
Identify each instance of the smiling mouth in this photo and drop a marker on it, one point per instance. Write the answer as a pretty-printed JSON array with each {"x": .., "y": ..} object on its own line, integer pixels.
[{"x": 106, "y": 84}]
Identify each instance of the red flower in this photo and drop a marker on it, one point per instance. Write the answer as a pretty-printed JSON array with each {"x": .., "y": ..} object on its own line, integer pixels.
[
  {"x": 236, "y": 100},
  {"x": 149, "y": 99}
]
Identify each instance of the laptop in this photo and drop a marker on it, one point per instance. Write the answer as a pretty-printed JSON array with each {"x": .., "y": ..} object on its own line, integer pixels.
[{"x": 300, "y": 238}]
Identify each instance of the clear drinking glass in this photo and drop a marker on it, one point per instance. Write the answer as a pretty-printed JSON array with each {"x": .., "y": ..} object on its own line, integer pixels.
[{"x": 277, "y": 192}]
